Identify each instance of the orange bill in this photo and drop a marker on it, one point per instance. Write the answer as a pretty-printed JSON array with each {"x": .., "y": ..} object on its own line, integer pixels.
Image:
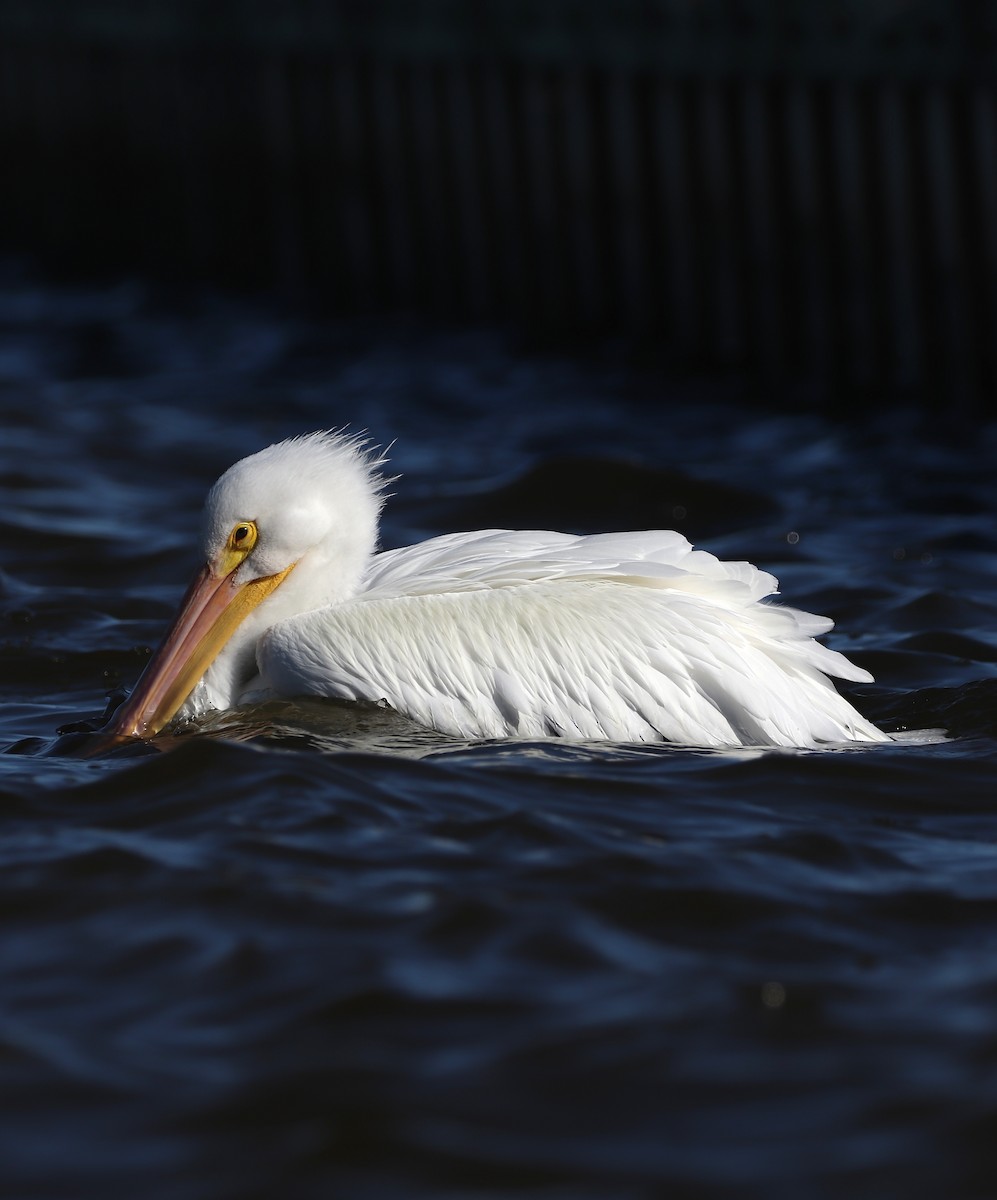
[{"x": 210, "y": 612}]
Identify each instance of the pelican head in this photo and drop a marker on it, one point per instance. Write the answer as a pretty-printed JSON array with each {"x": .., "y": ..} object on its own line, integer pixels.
[{"x": 285, "y": 530}]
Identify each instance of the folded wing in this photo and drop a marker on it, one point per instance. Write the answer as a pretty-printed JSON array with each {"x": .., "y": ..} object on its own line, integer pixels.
[{"x": 633, "y": 637}]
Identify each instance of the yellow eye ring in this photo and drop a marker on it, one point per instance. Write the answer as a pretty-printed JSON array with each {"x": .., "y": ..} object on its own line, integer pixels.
[{"x": 243, "y": 537}]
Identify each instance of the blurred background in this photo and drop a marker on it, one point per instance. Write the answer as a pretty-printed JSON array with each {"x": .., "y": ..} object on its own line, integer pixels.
[{"x": 802, "y": 194}]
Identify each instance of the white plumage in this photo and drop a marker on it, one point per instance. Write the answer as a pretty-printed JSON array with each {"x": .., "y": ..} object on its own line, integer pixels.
[{"x": 626, "y": 636}]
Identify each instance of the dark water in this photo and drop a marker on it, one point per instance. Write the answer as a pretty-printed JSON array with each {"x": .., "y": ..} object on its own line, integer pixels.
[{"x": 311, "y": 950}]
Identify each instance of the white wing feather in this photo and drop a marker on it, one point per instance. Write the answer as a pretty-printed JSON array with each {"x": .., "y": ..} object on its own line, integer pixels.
[
  {"x": 502, "y": 558},
  {"x": 631, "y": 636}
]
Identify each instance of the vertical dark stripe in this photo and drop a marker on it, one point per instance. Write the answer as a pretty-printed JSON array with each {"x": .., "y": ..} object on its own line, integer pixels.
[
  {"x": 431, "y": 188},
  {"x": 904, "y": 350},
  {"x": 357, "y": 287},
  {"x": 674, "y": 213},
  {"x": 580, "y": 215},
  {"x": 808, "y": 233},
  {"x": 984, "y": 156},
  {"x": 626, "y": 219},
  {"x": 720, "y": 241},
  {"x": 278, "y": 176},
  {"x": 947, "y": 255},
  {"x": 547, "y": 299},
  {"x": 852, "y": 240},
  {"x": 764, "y": 300},
  {"x": 473, "y": 271},
  {"x": 394, "y": 192},
  {"x": 503, "y": 184}
]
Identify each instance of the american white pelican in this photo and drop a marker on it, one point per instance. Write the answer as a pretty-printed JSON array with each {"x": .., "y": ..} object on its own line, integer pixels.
[{"x": 622, "y": 636}]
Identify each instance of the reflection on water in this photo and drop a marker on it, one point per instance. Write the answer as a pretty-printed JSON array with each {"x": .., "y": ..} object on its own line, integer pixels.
[{"x": 310, "y": 948}]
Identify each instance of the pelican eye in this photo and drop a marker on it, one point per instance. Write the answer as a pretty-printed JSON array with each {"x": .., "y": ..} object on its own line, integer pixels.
[{"x": 243, "y": 537}]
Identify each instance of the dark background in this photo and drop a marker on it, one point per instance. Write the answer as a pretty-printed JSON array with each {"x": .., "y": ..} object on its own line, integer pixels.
[{"x": 803, "y": 194}]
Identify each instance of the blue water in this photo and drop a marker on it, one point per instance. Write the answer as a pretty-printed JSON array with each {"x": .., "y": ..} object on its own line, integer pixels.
[{"x": 308, "y": 949}]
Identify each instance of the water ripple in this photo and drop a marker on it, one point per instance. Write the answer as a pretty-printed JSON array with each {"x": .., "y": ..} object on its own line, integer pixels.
[{"x": 307, "y": 948}]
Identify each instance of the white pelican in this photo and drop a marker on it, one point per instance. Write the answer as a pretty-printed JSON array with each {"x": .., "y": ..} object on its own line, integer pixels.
[{"x": 625, "y": 636}]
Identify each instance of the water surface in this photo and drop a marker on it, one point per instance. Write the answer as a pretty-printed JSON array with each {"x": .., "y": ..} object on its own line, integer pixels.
[{"x": 309, "y": 949}]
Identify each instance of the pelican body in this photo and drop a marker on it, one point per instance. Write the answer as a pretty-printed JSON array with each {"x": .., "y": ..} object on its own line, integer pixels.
[{"x": 632, "y": 637}]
